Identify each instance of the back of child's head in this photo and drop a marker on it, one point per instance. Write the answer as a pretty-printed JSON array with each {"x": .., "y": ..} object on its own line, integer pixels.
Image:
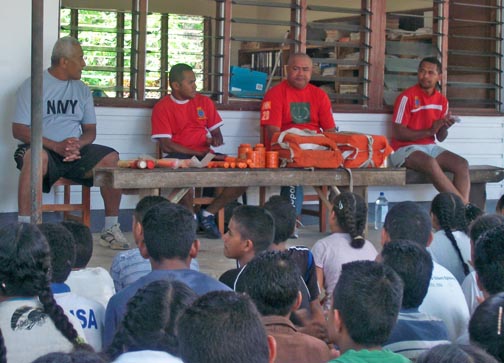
[
  {"x": 368, "y": 297},
  {"x": 224, "y": 327},
  {"x": 449, "y": 210},
  {"x": 79, "y": 356},
  {"x": 255, "y": 224},
  {"x": 284, "y": 215},
  {"x": 499, "y": 207},
  {"x": 169, "y": 231},
  {"x": 272, "y": 282},
  {"x": 414, "y": 266},
  {"x": 83, "y": 242},
  {"x": 145, "y": 204},
  {"x": 351, "y": 214},
  {"x": 489, "y": 259},
  {"x": 25, "y": 264},
  {"x": 484, "y": 223},
  {"x": 407, "y": 220},
  {"x": 62, "y": 246},
  {"x": 455, "y": 353},
  {"x": 3, "y": 350},
  {"x": 151, "y": 319},
  {"x": 486, "y": 327}
]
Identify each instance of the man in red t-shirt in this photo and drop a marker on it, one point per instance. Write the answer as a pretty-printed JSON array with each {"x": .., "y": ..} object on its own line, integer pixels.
[
  {"x": 420, "y": 118},
  {"x": 295, "y": 103},
  {"x": 186, "y": 124}
]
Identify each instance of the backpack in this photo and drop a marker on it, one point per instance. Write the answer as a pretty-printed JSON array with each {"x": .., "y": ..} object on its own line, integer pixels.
[
  {"x": 299, "y": 148},
  {"x": 361, "y": 150}
]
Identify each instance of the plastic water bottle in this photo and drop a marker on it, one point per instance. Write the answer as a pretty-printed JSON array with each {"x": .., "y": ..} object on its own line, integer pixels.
[{"x": 381, "y": 210}]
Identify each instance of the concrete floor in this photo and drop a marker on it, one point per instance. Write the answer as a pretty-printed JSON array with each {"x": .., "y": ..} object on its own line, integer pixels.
[{"x": 211, "y": 258}]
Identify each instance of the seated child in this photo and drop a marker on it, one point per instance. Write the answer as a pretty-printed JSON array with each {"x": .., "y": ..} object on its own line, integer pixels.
[
  {"x": 148, "y": 330},
  {"x": 251, "y": 230},
  {"x": 456, "y": 353},
  {"x": 31, "y": 321},
  {"x": 346, "y": 243},
  {"x": 128, "y": 266},
  {"x": 366, "y": 302},
  {"x": 414, "y": 332},
  {"x": 486, "y": 327},
  {"x": 284, "y": 215},
  {"x": 90, "y": 313},
  {"x": 271, "y": 280},
  {"x": 472, "y": 292},
  {"x": 94, "y": 283},
  {"x": 225, "y": 326},
  {"x": 408, "y": 220},
  {"x": 450, "y": 247}
]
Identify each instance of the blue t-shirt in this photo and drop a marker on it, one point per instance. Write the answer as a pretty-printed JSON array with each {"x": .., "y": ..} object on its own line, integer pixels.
[
  {"x": 116, "y": 308},
  {"x": 66, "y": 106}
]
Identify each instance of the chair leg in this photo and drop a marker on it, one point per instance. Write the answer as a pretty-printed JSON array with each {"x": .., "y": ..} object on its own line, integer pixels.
[
  {"x": 86, "y": 206},
  {"x": 323, "y": 213},
  {"x": 66, "y": 199}
]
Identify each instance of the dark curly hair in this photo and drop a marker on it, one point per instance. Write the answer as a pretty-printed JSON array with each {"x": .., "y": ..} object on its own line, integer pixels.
[
  {"x": 3, "y": 350},
  {"x": 151, "y": 319},
  {"x": 450, "y": 211},
  {"x": 25, "y": 271},
  {"x": 351, "y": 214}
]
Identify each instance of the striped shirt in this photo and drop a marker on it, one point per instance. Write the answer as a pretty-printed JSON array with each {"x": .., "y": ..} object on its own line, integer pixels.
[
  {"x": 416, "y": 332},
  {"x": 416, "y": 110}
]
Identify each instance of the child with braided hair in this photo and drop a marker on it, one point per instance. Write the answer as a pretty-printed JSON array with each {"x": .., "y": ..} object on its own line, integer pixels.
[
  {"x": 32, "y": 322},
  {"x": 148, "y": 330},
  {"x": 346, "y": 243},
  {"x": 451, "y": 246},
  {"x": 3, "y": 351}
]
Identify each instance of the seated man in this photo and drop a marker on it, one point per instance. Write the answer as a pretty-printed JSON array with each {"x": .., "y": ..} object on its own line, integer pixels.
[
  {"x": 224, "y": 327},
  {"x": 186, "y": 124},
  {"x": 295, "y": 103},
  {"x": 420, "y": 118},
  {"x": 68, "y": 130},
  {"x": 272, "y": 282},
  {"x": 415, "y": 332},
  {"x": 366, "y": 302}
]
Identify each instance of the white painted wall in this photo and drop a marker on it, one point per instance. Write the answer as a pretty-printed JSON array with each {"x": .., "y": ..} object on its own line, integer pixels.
[{"x": 15, "y": 66}]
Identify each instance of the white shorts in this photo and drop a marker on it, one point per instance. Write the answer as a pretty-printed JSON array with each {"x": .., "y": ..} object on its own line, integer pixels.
[{"x": 398, "y": 157}]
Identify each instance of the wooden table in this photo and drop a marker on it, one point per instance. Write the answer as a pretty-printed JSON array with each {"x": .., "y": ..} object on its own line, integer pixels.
[{"x": 148, "y": 182}]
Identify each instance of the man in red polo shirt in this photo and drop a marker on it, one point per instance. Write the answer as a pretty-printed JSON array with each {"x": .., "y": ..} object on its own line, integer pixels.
[
  {"x": 186, "y": 124},
  {"x": 420, "y": 118}
]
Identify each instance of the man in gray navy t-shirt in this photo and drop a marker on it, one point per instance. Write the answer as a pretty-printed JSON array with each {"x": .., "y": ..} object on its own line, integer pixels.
[{"x": 69, "y": 129}]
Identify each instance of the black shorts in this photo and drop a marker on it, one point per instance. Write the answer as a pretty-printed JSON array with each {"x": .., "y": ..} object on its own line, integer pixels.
[{"x": 91, "y": 155}]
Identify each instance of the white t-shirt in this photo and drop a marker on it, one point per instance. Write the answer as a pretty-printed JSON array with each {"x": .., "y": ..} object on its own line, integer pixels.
[
  {"x": 94, "y": 283},
  {"x": 147, "y": 356},
  {"x": 471, "y": 292},
  {"x": 331, "y": 252},
  {"x": 29, "y": 332},
  {"x": 443, "y": 252},
  {"x": 446, "y": 301},
  {"x": 89, "y": 313}
]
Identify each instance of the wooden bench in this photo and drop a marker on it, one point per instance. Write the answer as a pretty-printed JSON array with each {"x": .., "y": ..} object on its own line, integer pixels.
[{"x": 480, "y": 176}]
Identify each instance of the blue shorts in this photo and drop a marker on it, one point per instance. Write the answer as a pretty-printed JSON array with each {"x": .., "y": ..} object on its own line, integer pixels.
[{"x": 398, "y": 157}]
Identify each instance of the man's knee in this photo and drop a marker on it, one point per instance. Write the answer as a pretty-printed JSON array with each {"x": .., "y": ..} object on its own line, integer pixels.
[
  {"x": 27, "y": 161},
  {"x": 110, "y": 159}
]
